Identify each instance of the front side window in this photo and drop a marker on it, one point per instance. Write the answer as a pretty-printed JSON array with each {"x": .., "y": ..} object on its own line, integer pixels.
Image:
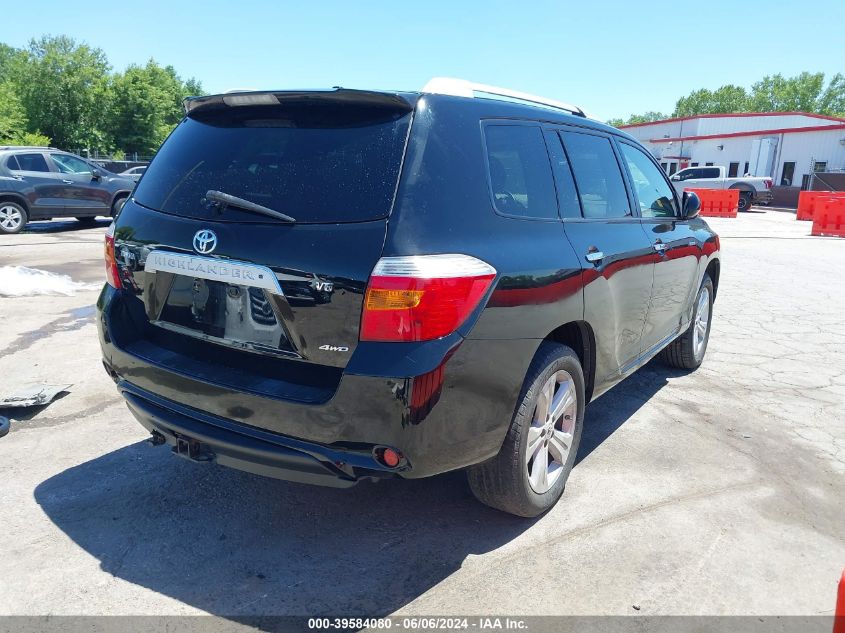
[
  {"x": 70, "y": 164},
  {"x": 520, "y": 173},
  {"x": 597, "y": 174},
  {"x": 31, "y": 162},
  {"x": 653, "y": 193}
]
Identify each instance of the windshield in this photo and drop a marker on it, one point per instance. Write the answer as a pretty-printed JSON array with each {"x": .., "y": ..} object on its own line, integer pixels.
[{"x": 314, "y": 163}]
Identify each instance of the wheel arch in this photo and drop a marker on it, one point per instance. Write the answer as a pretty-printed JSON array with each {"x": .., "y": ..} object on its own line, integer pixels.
[
  {"x": 714, "y": 268},
  {"x": 743, "y": 186},
  {"x": 579, "y": 336},
  {"x": 15, "y": 197},
  {"x": 118, "y": 195}
]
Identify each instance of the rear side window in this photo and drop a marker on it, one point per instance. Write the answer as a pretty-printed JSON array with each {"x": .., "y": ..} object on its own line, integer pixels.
[
  {"x": 597, "y": 174},
  {"x": 520, "y": 173},
  {"x": 315, "y": 163},
  {"x": 567, "y": 194},
  {"x": 30, "y": 162}
]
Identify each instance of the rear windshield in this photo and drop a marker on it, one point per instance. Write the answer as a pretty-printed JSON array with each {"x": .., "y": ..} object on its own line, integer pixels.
[{"x": 312, "y": 163}]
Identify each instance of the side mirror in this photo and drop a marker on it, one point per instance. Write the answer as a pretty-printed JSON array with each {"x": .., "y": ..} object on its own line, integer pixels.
[
  {"x": 691, "y": 205},
  {"x": 96, "y": 174},
  {"x": 674, "y": 177}
]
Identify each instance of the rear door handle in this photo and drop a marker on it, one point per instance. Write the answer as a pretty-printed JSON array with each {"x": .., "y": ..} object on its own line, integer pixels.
[
  {"x": 660, "y": 247},
  {"x": 67, "y": 182},
  {"x": 594, "y": 256}
]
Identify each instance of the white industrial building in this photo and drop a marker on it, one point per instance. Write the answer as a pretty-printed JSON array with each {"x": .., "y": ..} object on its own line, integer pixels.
[{"x": 786, "y": 146}]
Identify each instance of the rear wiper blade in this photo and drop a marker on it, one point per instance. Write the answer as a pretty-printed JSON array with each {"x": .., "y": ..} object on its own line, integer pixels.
[{"x": 226, "y": 200}]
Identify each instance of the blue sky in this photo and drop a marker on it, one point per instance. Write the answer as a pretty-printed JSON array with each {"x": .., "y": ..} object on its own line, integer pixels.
[{"x": 611, "y": 58}]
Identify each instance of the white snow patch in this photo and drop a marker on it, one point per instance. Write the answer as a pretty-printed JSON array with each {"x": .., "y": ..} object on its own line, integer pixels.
[{"x": 20, "y": 281}]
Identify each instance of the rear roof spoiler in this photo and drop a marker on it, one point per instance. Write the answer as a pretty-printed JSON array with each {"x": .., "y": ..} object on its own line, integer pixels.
[{"x": 340, "y": 96}]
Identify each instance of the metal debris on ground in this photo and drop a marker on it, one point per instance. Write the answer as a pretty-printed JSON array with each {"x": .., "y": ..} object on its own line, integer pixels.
[{"x": 32, "y": 396}]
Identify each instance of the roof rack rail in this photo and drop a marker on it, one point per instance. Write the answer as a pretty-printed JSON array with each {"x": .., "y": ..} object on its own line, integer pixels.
[
  {"x": 464, "y": 88},
  {"x": 7, "y": 147}
]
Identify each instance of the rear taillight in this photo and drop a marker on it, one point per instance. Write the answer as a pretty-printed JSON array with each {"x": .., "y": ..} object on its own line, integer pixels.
[
  {"x": 112, "y": 272},
  {"x": 768, "y": 183},
  {"x": 422, "y": 297}
]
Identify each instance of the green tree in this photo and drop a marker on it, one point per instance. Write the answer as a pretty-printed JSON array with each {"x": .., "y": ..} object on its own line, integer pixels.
[
  {"x": 805, "y": 92},
  {"x": 8, "y": 57},
  {"x": 146, "y": 105},
  {"x": 777, "y": 93},
  {"x": 832, "y": 100},
  {"x": 63, "y": 87},
  {"x": 13, "y": 123},
  {"x": 646, "y": 117},
  {"x": 12, "y": 115},
  {"x": 726, "y": 99}
]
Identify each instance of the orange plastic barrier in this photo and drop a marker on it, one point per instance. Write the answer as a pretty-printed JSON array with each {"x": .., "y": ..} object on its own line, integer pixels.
[
  {"x": 839, "y": 614},
  {"x": 808, "y": 201},
  {"x": 829, "y": 217},
  {"x": 718, "y": 203}
]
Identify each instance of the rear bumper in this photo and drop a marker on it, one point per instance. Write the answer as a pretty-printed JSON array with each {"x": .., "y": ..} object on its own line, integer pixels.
[
  {"x": 206, "y": 438},
  {"x": 328, "y": 440}
]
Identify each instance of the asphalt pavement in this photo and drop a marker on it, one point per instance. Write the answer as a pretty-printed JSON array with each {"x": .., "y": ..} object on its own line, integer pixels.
[{"x": 716, "y": 492}]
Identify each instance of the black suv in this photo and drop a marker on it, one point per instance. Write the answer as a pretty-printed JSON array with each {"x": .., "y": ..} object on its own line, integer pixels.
[
  {"x": 39, "y": 183},
  {"x": 328, "y": 286}
]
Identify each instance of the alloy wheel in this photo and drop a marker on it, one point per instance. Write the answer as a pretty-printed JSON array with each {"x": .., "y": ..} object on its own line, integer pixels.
[
  {"x": 550, "y": 434},
  {"x": 10, "y": 218},
  {"x": 702, "y": 321}
]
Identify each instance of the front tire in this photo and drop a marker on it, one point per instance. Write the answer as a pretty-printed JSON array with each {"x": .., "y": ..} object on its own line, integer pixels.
[
  {"x": 529, "y": 473},
  {"x": 13, "y": 218},
  {"x": 687, "y": 351}
]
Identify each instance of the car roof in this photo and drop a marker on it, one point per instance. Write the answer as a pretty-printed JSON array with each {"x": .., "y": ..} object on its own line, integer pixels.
[{"x": 407, "y": 101}]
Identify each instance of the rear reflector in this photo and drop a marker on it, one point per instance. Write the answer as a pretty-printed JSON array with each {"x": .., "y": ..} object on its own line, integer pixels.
[
  {"x": 422, "y": 297},
  {"x": 390, "y": 457},
  {"x": 112, "y": 272}
]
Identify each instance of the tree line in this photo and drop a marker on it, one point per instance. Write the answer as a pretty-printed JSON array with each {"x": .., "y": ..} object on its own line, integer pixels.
[
  {"x": 806, "y": 92},
  {"x": 56, "y": 91}
]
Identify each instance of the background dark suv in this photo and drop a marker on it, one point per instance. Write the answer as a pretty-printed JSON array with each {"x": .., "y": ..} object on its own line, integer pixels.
[
  {"x": 39, "y": 183},
  {"x": 336, "y": 285}
]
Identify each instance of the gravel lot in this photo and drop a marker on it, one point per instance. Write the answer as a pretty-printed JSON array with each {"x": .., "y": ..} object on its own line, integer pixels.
[{"x": 717, "y": 492}]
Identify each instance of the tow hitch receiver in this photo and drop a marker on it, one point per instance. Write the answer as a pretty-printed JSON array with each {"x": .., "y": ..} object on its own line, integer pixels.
[{"x": 192, "y": 449}]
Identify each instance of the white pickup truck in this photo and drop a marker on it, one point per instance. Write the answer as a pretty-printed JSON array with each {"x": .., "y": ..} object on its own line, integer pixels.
[{"x": 752, "y": 189}]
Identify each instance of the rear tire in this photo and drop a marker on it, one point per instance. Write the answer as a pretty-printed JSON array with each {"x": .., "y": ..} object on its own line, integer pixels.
[
  {"x": 529, "y": 473},
  {"x": 117, "y": 205},
  {"x": 13, "y": 218},
  {"x": 687, "y": 351},
  {"x": 744, "y": 201}
]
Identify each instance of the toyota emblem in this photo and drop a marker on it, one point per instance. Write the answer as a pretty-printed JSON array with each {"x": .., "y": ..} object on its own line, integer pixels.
[{"x": 205, "y": 241}]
